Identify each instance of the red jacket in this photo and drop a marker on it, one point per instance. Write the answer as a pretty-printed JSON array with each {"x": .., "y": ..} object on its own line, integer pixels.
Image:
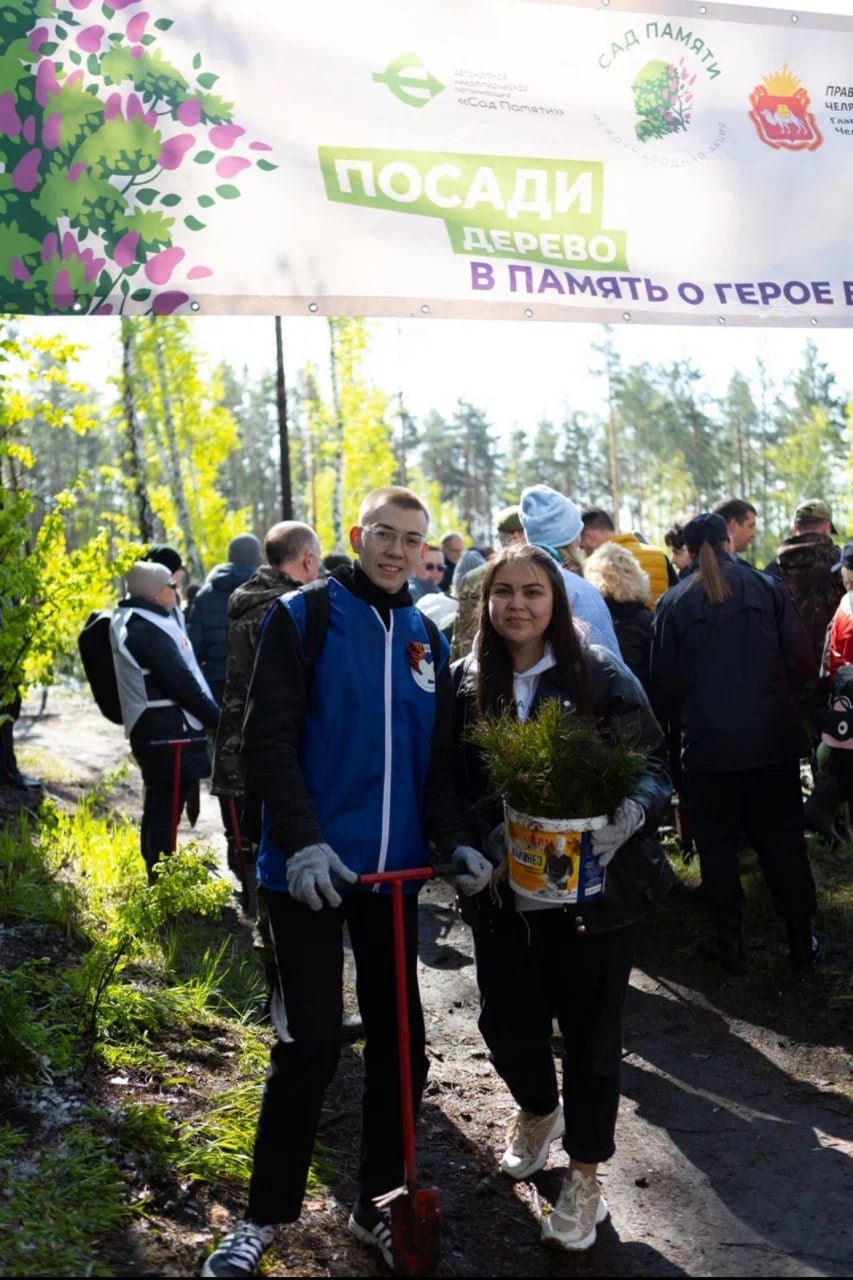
[{"x": 840, "y": 647}]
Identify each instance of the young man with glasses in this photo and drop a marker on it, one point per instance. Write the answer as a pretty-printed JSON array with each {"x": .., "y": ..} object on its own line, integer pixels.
[
  {"x": 429, "y": 571},
  {"x": 353, "y": 758}
]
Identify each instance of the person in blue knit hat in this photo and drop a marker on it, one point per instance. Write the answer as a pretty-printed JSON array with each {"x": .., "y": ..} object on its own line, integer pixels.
[{"x": 551, "y": 521}]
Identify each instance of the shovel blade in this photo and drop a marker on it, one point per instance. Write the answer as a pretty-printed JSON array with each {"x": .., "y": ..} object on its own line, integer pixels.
[{"x": 416, "y": 1232}]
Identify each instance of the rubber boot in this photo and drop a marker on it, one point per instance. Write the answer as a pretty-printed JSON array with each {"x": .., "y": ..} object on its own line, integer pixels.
[
  {"x": 821, "y": 808},
  {"x": 803, "y": 946}
]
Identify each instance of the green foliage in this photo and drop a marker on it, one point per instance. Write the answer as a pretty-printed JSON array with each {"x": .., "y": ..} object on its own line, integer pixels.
[
  {"x": 551, "y": 766},
  {"x": 60, "y": 1205}
]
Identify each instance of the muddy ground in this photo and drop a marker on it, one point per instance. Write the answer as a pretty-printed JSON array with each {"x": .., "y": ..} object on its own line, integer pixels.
[{"x": 735, "y": 1138}]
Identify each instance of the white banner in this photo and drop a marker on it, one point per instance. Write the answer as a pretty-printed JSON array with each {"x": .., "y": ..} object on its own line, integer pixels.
[{"x": 500, "y": 159}]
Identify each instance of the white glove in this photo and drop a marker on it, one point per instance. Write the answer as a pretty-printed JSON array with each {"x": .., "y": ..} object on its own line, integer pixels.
[
  {"x": 627, "y": 819},
  {"x": 309, "y": 875},
  {"x": 478, "y": 869}
]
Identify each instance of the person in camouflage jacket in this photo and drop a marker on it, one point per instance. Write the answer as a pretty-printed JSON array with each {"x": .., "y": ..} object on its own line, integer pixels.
[
  {"x": 509, "y": 531},
  {"x": 805, "y": 564},
  {"x": 292, "y": 550}
]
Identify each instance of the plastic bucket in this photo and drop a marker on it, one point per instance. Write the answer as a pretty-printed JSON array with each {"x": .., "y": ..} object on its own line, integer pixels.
[{"x": 551, "y": 859}]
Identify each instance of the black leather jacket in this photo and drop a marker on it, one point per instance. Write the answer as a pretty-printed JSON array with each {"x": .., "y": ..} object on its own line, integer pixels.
[{"x": 639, "y": 876}]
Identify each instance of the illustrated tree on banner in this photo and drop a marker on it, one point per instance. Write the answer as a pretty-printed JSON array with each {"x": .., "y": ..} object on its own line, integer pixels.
[{"x": 95, "y": 124}]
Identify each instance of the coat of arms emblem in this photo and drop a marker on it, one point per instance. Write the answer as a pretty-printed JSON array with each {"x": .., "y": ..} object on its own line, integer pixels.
[{"x": 780, "y": 113}]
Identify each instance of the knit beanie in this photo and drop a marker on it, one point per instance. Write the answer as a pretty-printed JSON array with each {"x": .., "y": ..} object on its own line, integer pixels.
[
  {"x": 161, "y": 554},
  {"x": 147, "y": 579},
  {"x": 548, "y": 518},
  {"x": 245, "y": 549}
]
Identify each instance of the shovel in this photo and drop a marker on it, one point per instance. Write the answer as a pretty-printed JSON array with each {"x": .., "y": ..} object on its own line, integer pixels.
[{"x": 415, "y": 1210}]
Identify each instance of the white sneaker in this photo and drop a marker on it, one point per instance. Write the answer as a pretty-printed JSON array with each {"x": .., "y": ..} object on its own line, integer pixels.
[
  {"x": 580, "y": 1207},
  {"x": 530, "y": 1138}
]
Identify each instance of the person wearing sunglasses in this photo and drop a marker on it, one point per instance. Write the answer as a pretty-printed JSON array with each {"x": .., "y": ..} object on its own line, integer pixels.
[{"x": 428, "y": 573}]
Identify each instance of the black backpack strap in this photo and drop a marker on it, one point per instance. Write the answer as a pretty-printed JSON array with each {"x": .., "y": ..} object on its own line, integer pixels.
[{"x": 316, "y": 622}]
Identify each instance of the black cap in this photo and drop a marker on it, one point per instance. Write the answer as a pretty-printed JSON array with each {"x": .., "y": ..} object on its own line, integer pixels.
[
  {"x": 707, "y": 527},
  {"x": 846, "y": 561},
  {"x": 161, "y": 554}
]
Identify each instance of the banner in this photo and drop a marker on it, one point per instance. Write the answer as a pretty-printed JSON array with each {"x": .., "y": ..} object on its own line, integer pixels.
[{"x": 498, "y": 159}]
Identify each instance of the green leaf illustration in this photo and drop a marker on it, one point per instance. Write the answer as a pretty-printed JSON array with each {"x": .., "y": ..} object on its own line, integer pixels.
[
  {"x": 203, "y": 157},
  {"x": 227, "y": 191},
  {"x": 16, "y": 244},
  {"x": 121, "y": 146},
  {"x": 193, "y": 223},
  {"x": 155, "y": 229},
  {"x": 88, "y": 203}
]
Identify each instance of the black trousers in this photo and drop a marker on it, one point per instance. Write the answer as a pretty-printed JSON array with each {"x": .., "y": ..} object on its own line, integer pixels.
[
  {"x": 767, "y": 806},
  {"x": 155, "y": 831},
  {"x": 531, "y": 966},
  {"x": 309, "y": 958}
]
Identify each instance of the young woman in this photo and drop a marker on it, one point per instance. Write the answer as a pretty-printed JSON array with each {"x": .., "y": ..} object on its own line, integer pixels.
[{"x": 572, "y": 962}]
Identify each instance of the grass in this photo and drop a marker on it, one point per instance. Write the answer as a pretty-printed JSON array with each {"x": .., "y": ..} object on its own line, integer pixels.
[{"x": 112, "y": 975}]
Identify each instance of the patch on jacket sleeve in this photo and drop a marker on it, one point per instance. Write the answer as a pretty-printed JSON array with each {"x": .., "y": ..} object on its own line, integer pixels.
[{"x": 421, "y": 665}]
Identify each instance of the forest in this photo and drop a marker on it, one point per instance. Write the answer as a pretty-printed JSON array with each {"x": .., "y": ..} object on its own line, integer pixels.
[{"x": 167, "y": 451}]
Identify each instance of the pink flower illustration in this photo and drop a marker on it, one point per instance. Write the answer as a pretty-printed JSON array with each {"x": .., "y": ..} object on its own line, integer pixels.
[
  {"x": 10, "y": 121},
  {"x": 89, "y": 39},
  {"x": 125, "y": 251},
  {"x": 159, "y": 268},
  {"x": 135, "y": 110},
  {"x": 49, "y": 246},
  {"x": 46, "y": 81},
  {"x": 29, "y": 129},
  {"x": 75, "y": 171},
  {"x": 198, "y": 273},
  {"x": 25, "y": 174},
  {"x": 174, "y": 150},
  {"x": 37, "y": 39},
  {"x": 18, "y": 270},
  {"x": 136, "y": 26},
  {"x": 189, "y": 112},
  {"x": 223, "y": 135},
  {"x": 165, "y": 303},
  {"x": 229, "y": 166},
  {"x": 104, "y": 309},
  {"x": 51, "y": 134},
  {"x": 80, "y": 4},
  {"x": 63, "y": 294},
  {"x": 259, "y": 146}
]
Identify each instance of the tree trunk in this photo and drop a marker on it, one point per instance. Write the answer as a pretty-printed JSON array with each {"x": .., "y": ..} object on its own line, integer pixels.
[
  {"x": 338, "y": 456},
  {"x": 136, "y": 455},
  {"x": 283, "y": 440}
]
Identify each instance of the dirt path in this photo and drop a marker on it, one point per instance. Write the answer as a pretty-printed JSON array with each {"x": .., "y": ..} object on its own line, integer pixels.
[{"x": 735, "y": 1139}]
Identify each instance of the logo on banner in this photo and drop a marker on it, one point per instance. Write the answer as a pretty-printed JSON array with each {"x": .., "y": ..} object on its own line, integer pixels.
[
  {"x": 410, "y": 81},
  {"x": 663, "y": 97},
  {"x": 780, "y": 113}
]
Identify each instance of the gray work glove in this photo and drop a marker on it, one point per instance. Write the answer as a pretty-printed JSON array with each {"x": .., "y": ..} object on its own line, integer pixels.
[
  {"x": 477, "y": 870},
  {"x": 309, "y": 876},
  {"x": 627, "y": 819}
]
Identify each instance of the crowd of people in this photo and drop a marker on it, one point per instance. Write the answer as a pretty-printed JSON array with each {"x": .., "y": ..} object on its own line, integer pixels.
[{"x": 723, "y": 677}]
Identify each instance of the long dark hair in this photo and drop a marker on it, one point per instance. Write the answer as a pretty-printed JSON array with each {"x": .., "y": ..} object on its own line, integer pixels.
[{"x": 494, "y": 681}]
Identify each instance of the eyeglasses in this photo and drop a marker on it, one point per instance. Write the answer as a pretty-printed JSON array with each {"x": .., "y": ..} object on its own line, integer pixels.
[
  {"x": 433, "y": 567},
  {"x": 388, "y": 537}
]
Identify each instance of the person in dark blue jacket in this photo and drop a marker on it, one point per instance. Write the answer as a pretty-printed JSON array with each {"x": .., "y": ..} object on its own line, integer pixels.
[
  {"x": 732, "y": 663},
  {"x": 207, "y": 626},
  {"x": 353, "y": 760}
]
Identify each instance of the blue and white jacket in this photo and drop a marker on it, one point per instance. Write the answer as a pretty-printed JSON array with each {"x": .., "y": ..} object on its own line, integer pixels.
[{"x": 357, "y": 751}]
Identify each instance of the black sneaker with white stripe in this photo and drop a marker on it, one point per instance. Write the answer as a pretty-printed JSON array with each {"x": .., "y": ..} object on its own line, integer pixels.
[
  {"x": 240, "y": 1251},
  {"x": 372, "y": 1227}
]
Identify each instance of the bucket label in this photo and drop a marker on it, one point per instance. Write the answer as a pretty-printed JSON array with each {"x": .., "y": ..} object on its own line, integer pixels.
[{"x": 557, "y": 866}]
